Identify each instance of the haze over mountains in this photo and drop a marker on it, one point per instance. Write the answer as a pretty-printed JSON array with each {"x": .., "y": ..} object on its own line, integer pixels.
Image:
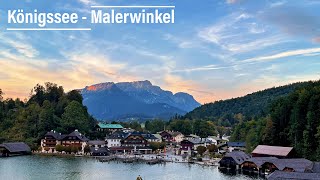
[{"x": 135, "y": 100}]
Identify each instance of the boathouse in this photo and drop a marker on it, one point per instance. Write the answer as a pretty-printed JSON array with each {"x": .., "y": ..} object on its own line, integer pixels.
[
  {"x": 273, "y": 151},
  {"x": 254, "y": 164},
  {"x": 233, "y": 160},
  {"x": 289, "y": 165},
  {"x": 13, "y": 149},
  {"x": 282, "y": 175}
]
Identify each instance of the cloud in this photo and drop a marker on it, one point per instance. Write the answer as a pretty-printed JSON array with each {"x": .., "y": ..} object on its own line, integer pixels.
[
  {"x": 202, "y": 68},
  {"x": 277, "y": 4},
  {"x": 282, "y": 55},
  {"x": 20, "y": 43},
  {"x": 240, "y": 33},
  {"x": 232, "y": 1},
  {"x": 87, "y": 2}
]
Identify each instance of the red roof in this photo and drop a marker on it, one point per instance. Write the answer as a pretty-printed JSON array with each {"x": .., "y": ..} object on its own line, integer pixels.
[{"x": 272, "y": 150}]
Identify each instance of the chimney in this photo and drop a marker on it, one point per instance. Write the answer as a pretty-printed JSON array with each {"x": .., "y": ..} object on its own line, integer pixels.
[{"x": 76, "y": 130}]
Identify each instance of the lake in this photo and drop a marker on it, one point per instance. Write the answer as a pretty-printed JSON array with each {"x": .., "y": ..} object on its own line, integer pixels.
[{"x": 41, "y": 167}]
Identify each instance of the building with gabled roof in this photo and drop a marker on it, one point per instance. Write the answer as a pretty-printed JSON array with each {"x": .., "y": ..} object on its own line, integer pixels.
[
  {"x": 254, "y": 164},
  {"x": 109, "y": 128},
  {"x": 289, "y": 165},
  {"x": 14, "y": 148},
  {"x": 53, "y": 138},
  {"x": 233, "y": 160},
  {"x": 273, "y": 151},
  {"x": 282, "y": 175}
]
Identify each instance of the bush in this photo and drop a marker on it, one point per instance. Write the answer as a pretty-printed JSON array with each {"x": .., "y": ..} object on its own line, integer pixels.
[
  {"x": 201, "y": 150},
  {"x": 60, "y": 148},
  {"x": 212, "y": 148}
]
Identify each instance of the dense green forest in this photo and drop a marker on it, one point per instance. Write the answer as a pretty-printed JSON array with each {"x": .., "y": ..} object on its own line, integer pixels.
[
  {"x": 294, "y": 120},
  {"x": 48, "y": 108},
  {"x": 202, "y": 128},
  {"x": 229, "y": 112}
]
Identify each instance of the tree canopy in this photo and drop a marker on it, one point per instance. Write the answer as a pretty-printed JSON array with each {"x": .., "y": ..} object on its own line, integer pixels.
[{"x": 48, "y": 108}]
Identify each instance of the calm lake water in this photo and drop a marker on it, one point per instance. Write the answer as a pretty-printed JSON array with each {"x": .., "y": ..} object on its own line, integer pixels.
[{"x": 38, "y": 167}]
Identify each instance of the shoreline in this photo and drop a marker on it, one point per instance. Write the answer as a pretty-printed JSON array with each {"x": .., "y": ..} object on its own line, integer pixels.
[{"x": 149, "y": 158}]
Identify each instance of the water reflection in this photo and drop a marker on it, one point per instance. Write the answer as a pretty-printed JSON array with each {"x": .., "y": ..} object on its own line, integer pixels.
[{"x": 37, "y": 167}]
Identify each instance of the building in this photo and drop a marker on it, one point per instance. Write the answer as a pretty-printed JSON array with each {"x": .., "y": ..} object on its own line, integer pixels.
[
  {"x": 158, "y": 136},
  {"x": 75, "y": 139},
  {"x": 166, "y": 136},
  {"x": 289, "y": 165},
  {"x": 137, "y": 143},
  {"x": 177, "y": 136},
  {"x": 98, "y": 148},
  {"x": 233, "y": 160},
  {"x": 236, "y": 146},
  {"x": 201, "y": 142},
  {"x": 150, "y": 137},
  {"x": 109, "y": 128},
  {"x": 215, "y": 140},
  {"x": 273, "y": 151},
  {"x": 14, "y": 149},
  {"x": 282, "y": 175},
  {"x": 114, "y": 139},
  {"x": 254, "y": 164},
  {"x": 191, "y": 137},
  {"x": 52, "y": 139},
  {"x": 186, "y": 147}
]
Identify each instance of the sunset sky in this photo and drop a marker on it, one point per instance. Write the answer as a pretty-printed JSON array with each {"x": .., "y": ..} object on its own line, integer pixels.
[{"x": 216, "y": 49}]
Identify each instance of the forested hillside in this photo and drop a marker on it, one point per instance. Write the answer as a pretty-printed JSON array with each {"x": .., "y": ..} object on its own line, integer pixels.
[
  {"x": 294, "y": 120},
  {"x": 228, "y": 112},
  {"x": 49, "y": 108}
]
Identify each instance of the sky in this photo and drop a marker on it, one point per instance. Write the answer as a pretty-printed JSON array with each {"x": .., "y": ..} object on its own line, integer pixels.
[{"x": 216, "y": 49}]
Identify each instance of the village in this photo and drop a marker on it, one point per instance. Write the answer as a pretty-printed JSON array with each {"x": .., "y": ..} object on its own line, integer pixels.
[{"x": 128, "y": 146}]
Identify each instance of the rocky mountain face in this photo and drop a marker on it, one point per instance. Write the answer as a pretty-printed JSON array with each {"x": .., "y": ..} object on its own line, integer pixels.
[{"x": 135, "y": 100}]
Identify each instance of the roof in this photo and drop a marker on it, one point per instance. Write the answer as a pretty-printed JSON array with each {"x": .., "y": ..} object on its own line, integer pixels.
[
  {"x": 192, "y": 136},
  {"x": 16, "y": 147},
  {"x": 298, "y": 165},
  {"x": 316, "y": 167},
  {"x": 282, "y": 175},
  {"x": 158, "y": 136},
  {"x": 77, "y": 134},
  {"x": 174, "y": 134},
  {"x": 110, "y": 126},
  {"x": 149, "y": 136},
  {"x": 55, "y": 135},
  {"x": 215, "y": 138},
  {"x": 96, "y": 142},
  {"x": 117, "y": 135},
  {"x": 236, "y": 144},
  {"x": 201, "y": 141},
  {"x": 238, "y": 156},
  {"x": 260, "y": 160},
  {"x": 272, "y": 150},
  {"x": 99, "y": 150}
]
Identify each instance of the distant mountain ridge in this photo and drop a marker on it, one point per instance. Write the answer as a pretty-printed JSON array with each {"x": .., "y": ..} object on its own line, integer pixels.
[{"x": 139, "y": 99}]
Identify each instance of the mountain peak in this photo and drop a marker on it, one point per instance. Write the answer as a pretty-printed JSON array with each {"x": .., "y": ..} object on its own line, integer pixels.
[
  {"x": 99, "y": 87},
  {"x": 114, "y": 100}
]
